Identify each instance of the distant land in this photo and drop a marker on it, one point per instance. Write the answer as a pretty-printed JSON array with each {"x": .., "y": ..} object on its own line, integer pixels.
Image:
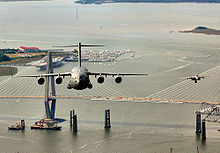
[
  {"x": 202, "y": 29},
  {"x": 21, "y": 0},
  {"x": 144, "y": 1},
  {"x": 4, "y": 71}
]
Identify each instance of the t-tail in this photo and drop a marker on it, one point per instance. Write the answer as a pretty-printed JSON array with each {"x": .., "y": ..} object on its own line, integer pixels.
[
  {"x": 79, "y": 45},
  {"x": 79, "y": 55}
]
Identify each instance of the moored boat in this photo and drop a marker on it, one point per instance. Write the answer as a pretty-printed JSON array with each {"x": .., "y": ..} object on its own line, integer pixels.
[{"x": 41, "y": 127}]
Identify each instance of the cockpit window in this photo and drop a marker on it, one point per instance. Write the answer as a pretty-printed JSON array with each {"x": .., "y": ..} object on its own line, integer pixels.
[{"x": 82, "y": 77}]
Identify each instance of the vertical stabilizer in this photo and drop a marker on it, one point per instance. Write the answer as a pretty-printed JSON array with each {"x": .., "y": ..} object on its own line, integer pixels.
[
  {"x": 79, "y": 45},
  {"x": 79, "y": 54}
]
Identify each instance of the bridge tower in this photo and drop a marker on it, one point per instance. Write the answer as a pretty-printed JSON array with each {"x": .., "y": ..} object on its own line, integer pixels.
[{"x": 49, "y": 82}]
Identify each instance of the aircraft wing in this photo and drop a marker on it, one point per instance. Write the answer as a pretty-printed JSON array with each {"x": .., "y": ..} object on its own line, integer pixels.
[
  {"x": 115, "y": 74},
  {"x": 199, "y": 77},
  {"x": 204, "y": 76},
  {"x": 46, "y": 75},
  {"x": 183, "y": 78}
]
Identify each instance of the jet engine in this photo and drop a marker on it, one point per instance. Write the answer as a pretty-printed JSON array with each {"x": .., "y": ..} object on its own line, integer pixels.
[
  {"x": 118, "y": 79},
  {"x": 41, "y": 81},
  {"x": 100, "y": 79},
  {"x": 59, "y": 80},
  {"x": 90, "y": 86},
  {"x": 69, "y": 86}
]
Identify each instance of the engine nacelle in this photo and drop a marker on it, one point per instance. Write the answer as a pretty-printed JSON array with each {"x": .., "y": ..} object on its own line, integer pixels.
[
  {"x": 59, "y": 80},
  {"x": 118, "y": 79},
  {"x": 90, "y": 86},
  {"x": 41, "y": 81},
  {"x": 69, "y": 86},
  {"x": 100, "y": 79}
]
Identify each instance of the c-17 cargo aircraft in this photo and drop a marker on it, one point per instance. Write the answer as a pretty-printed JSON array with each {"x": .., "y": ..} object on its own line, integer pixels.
[
  {"x": 196, "y": 78},
  {"x": 79, "y": 76}
]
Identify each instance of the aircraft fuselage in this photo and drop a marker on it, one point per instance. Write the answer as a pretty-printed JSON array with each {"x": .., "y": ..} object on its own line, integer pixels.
[
  {"x": 196, "y": 78},
  {"x": 79, "y": 79}
]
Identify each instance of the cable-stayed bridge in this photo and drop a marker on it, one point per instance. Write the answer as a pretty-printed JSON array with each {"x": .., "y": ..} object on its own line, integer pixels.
[
  {"x": 206, "y": 90},
  {"x": 20, "y": 86}
]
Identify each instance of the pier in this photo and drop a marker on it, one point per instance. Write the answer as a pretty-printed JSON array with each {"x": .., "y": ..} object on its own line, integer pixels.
[
  {"x": 209, "y": 113},
  {"x": 107, "y": 119},
  {"x": 73, "y": 121}
]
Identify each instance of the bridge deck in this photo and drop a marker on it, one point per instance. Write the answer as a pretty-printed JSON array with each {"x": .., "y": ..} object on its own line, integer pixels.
[
  {"x": 206, "y": 90},
  {"x": 116, "y": 99}
]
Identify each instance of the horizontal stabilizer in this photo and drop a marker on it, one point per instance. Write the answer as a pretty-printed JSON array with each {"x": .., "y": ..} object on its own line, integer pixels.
[
  {"x": 79, "y": 45},
  {"x": 82, "y": 45}
]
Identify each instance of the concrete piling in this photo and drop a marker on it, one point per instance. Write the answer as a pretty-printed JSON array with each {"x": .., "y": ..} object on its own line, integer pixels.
[
  {"x": 71, "y": 114},
  {"x": 171, "y": 150},
  {"x": 203, "y": 130},
  {"x": 197, "y": 149},
  {"x": 198, "y": 123},
  {"x": 107, "y": 119},
  {"x": 74, "y": 126},
  {"x": 22, "y": 124},
  {"x": 73, "y": 121}
]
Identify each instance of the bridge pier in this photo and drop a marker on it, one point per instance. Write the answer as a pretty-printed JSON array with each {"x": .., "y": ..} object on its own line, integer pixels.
[
  {"x": 198, "y": 123},
  {"x": 71, "y": 115},
  {"x": 107, "y": 119},
  {"x": 22, "y": 124},
  {"x": 73, "y": 121},
  {"x": 203, "y": 131}
]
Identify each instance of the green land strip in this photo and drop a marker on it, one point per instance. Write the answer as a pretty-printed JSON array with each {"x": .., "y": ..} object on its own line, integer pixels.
[
  {"x": 23, "y": 60},
  {"x": 4, "y": 71}
]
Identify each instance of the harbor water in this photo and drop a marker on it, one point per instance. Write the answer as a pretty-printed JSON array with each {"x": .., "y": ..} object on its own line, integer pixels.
[{"x": 151, "y": 31}]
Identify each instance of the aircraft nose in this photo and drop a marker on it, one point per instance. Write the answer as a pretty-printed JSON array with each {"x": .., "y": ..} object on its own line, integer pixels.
[{"x": 83, "y": 81}]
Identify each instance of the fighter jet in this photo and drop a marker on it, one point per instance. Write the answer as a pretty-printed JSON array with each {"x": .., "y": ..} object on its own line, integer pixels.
[
  {"x": 79, "y": 76},
  {"x": 196, "y": 78}
]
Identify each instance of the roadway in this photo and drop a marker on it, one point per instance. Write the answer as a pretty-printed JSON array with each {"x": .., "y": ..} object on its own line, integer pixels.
[{"x": 114, "y": 99}]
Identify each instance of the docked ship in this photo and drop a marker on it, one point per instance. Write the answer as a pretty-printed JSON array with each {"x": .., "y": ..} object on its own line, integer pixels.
[
  {"x": 56, "y": 63},
  {"x": 74, "y": 58}
]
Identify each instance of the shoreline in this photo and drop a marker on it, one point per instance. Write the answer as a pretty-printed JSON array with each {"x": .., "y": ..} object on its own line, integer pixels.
[
  {"x": 25, "y": 60},
  {"x": 8, "y": 68},
  {"x": 144, "y": 1}
]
